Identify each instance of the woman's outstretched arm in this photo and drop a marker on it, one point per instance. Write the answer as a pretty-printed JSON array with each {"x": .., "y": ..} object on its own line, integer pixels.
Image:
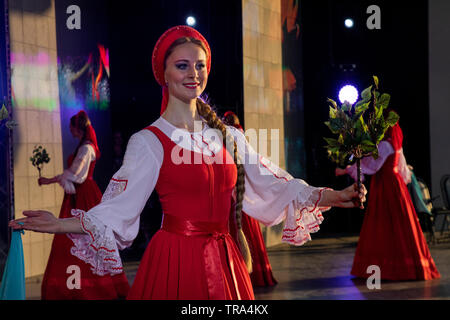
[{"x": 46, "y": 222}]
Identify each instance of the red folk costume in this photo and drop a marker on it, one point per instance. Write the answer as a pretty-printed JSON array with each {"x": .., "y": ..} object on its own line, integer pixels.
[
  {"x": 81, "y": 192},
  {"x": 261, "y": 275},
  {"x": 391, "y": 236},
  {"x": 193, "y": 255}
]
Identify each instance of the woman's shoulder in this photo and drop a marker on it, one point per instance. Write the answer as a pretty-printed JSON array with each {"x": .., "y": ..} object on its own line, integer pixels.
[
  {"x": 146, "y": 135},
  {"x": 86, "y": 147},
  {"x": 146, "y": 141}
]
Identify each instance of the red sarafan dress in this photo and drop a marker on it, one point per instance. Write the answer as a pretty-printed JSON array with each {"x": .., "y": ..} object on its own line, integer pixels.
[
  {"x": 194, "y": 235},
  {"x": 261, "y": 275},
  {"x": 92, "y": 286},
  {"x": 391, "y": 237}
]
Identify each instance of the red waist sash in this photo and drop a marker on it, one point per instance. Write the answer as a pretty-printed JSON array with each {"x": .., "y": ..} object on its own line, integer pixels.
[{"x": 214, "y": 232}]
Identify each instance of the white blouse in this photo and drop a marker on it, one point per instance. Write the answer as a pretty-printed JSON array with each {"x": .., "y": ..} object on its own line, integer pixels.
[
  {"x": 271, "y": 195},
  {"x": 78, "y": 171},
  {"x": 370, "y": 166}
]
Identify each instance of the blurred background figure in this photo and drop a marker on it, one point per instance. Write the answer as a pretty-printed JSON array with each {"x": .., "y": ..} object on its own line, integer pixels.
[
  {"x": 80, "y": 192},
  {"x": 391, "y": 237}
]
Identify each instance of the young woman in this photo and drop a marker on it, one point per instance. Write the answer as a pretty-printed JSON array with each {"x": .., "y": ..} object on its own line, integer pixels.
[
  {"x": 391, "y": 237},
  {"x": 80, "y": 192},
  {"x": 198, "y": 166}
]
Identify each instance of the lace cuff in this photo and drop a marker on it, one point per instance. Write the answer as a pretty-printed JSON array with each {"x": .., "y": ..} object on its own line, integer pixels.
[
  {"x": 304, "y": 217},
  {"x": 66, "y": 184},
  {"x": 97, "y": 247}
]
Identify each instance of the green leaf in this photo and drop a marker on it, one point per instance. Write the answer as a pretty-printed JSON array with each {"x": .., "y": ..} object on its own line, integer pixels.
[
  {"x": 327, "y": 123},
  {"x": 375, "y": 154},
  {"x": 336, "y": 125},
  {"x": 332, "y": 142},
  {"x": 362, "y": 106},
  {"x": 375, "y": 80},
  {"x": 383, "y": 101},
  {"x": 333, "y": 103},
  {"x": 378, "y": 112},
  {"x": 366, "y": 94},
  {"x": 392, "y": 118},
  {"x": 346, "y": 106},
  {"x": 333, "y": 113},
  {"x": 368, "y": 146},
  {"x": 380, "y": 137},
  {"x": 4, "y": 113}
]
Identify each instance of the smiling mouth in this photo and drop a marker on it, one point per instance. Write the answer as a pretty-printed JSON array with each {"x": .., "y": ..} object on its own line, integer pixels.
[{"x": 191, "y": 85}]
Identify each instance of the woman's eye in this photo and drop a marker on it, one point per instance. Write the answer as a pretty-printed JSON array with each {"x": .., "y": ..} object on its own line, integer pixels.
[
  {"x": 200, "y": 66},
  {"x": 181, "y": 66}
]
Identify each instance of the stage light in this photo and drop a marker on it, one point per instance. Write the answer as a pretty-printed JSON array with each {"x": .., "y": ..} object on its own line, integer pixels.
[
  {"x": 349, "y": 23},
  {"x": 348, "y": 93},
  {"x": 190, "y": 21}
]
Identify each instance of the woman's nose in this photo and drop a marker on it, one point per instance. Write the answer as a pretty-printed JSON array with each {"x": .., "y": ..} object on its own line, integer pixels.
[{"x": 192, "y": 73}]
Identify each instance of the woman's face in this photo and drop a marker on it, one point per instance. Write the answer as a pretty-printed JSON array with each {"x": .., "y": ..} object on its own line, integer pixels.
[
  {"x": 75, "y": 132},
  {"x": 186, "y": 74}
]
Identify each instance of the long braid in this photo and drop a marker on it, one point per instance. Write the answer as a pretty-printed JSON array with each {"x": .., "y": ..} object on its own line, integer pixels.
[{"x": 214, "y": 122}]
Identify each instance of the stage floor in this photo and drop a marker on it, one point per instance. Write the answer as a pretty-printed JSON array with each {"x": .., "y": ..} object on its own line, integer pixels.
[{"x": 320, "y": 270}]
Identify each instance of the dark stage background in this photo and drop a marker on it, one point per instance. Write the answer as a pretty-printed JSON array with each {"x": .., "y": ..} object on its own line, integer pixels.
[
  {"x": 397, "y": 54},
  {"x": 135, "y": 28}
]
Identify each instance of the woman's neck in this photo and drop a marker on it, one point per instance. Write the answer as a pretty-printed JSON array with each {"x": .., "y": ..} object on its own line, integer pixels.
[{"x": 182, "y": 115}]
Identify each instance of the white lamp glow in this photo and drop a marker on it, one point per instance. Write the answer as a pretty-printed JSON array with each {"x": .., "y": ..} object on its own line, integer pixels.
[
  {"x": 349, "y": 23},
  {"x": 348, "y": 93},
  {"x": 190, "y": 21}
]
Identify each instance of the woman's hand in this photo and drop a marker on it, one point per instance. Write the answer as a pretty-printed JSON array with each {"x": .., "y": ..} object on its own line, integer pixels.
[
  {"x": 39, "y": 221},
  {"x": 43, "y": 180},
  {"x": 340, "y": 172},
  {"x": 347, "y": 198},
  {"x": 351, "y": 198}
]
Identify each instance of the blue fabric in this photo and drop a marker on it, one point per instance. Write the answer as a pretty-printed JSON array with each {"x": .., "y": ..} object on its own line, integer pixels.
[
  {"x": 13, "y": 281},
  {"x": 416, "y": 195}
]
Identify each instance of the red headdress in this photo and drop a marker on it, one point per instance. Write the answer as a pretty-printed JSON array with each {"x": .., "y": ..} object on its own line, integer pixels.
[
  {"x": 395, "y": 136},
  {"x": 230, "y": 118},
  {"x": 159, "y": 53}
]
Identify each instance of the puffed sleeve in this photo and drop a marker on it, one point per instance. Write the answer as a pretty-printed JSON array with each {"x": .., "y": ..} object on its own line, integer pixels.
[
  {"x": 78, "y": 171},
  {"x": 402, "y": 167},
  {"x": 272, "y": 196},
  {"x": 369, "y": 165},
  {"x": 113, "y": 224}
]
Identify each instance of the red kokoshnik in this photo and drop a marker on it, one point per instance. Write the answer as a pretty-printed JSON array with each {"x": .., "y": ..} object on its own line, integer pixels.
[{"x": 159, "y": 53}]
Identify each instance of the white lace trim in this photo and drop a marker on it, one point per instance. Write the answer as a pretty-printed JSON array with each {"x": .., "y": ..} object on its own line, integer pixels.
[
  {"x": 97, "y": 247},
  {"x": 305, "y": 219},
  {"x": 115, "y": 187}
]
